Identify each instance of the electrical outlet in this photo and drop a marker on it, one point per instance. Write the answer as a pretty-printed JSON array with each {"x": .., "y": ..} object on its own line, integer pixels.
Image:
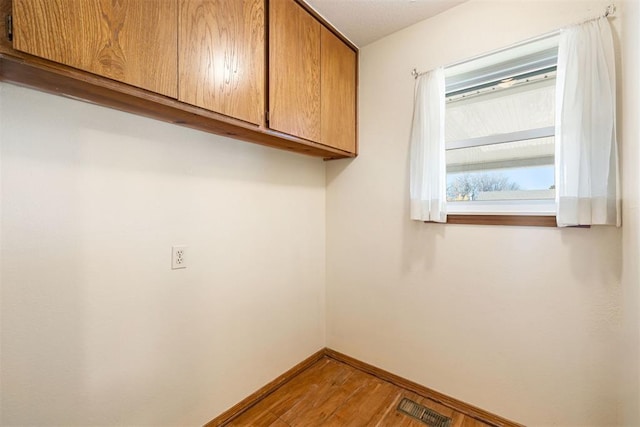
[{"x": 178, "y": 257}]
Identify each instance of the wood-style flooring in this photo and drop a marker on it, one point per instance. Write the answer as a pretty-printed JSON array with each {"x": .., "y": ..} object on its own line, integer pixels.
[{"x": 331, "y": 393}]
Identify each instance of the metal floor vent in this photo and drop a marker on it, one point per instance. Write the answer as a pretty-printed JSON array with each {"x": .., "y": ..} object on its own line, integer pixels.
[{"x": 422, "y": 413}]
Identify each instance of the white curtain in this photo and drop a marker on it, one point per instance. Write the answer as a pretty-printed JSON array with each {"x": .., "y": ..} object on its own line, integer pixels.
[
  {"x": 587, "y": 183},
  {"x": 427, "y": 162}
]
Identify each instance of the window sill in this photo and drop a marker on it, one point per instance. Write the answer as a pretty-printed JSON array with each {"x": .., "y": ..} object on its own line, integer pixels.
[{"x": 518, "y": 220}]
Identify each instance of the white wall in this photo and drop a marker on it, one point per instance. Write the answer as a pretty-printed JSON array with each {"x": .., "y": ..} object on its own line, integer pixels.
[
  {"x": 630, "y": 136},
  {"x": 521, "y": 321},
  {"x": 96, "y": 328}
]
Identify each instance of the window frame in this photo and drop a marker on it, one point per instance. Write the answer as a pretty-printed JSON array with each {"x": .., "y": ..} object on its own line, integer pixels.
[{"x": 536, "y": 212}]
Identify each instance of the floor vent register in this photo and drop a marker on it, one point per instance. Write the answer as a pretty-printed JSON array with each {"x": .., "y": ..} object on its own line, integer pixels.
[{"x": 422, "y": 413}]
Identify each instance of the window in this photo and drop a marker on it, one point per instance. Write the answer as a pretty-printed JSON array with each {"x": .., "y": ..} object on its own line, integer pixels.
[
  {"x": 485, "y": 130},
  {"x": 499, "y": 132}
]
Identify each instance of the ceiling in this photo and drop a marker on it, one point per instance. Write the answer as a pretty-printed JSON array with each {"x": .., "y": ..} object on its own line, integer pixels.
[{"x": 365, "y": 21}]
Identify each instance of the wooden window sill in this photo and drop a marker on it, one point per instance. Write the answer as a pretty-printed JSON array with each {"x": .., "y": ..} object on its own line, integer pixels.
[{"x": 520, "y": 220}]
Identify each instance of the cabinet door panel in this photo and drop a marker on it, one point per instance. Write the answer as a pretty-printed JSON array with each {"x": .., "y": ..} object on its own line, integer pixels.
[
  {"x": 294, "y": 70},
  {"x": 132, "y": 41},
  {"x": 222, "y": 57},
  {"x": 338, "y": 112}
]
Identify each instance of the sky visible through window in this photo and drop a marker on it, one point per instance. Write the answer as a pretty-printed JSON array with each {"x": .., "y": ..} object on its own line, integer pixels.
[
  {"x": 524, "y": 179},
  {"x": 533, "y": 178},
  {"x": 529, "y": 178}
]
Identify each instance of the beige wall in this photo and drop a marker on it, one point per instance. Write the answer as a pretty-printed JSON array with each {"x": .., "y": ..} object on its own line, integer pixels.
[
  {"x": 521, "y": 321},
  {"x": 630, "y": 137},
  {"x": 96, "y": 328}
]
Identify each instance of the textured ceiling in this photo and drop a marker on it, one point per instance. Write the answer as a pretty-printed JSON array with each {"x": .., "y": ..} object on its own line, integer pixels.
[{"x": 365, "y": 21}]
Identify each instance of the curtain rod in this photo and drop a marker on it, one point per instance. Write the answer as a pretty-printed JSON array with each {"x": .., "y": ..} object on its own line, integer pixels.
[{"x": 610, "y": 11}]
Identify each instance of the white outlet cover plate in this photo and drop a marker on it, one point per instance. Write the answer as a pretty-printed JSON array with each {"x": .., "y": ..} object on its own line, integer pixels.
[{"x": 178, "y": 257}]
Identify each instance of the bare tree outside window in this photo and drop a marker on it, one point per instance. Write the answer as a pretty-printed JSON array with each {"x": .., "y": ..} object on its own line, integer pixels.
[{"x": 470, "y": 185}]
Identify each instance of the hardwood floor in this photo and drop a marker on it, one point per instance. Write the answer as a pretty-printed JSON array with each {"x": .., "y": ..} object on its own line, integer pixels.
[{"x": 331, "y": 393}]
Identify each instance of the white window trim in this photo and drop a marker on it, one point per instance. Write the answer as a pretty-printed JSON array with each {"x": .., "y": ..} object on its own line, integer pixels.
[
  {"x": 522, "y": 135},
  {"x": 503, "y": 207}
]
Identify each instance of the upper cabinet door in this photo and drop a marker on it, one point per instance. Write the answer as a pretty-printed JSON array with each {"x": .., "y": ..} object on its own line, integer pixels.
[
  {"x": 131, "y": 41},
  {"x": 222, "y": 57},
  {"x": 338, "y": 93},
  {"x": 294, "y": 70}
]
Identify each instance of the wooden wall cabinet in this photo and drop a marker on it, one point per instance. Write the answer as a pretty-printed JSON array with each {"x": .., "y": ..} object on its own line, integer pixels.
[
  {"x": 312, "y": 78},
  {"x": 294, "y": 70},
  {"x": 222, "y": 52},
  {"x": 338, "y": 112},
  {"x": 196, "y": 63},
  {"x": 130, "y": 41}
]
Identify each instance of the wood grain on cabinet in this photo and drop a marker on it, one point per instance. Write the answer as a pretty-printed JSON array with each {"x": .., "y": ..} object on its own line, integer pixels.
[
  {"x": 294, "y": 70},
  {"x": 130, "y": 41},
  {"x": 338, "y": 113},
  {"x": 222, "y": 57},
  {"x": 37, "y": 71}
]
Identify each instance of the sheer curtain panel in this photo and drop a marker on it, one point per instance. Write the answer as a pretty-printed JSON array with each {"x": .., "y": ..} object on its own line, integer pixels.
[
  {"x": 427, "y": 162},
  {"x": 587, "y": 183}
]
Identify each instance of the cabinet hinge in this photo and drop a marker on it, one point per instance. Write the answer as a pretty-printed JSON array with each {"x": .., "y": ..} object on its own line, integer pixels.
[
  {"x": 266, "y": 116},
  {"x": 9, "y": 26}
]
